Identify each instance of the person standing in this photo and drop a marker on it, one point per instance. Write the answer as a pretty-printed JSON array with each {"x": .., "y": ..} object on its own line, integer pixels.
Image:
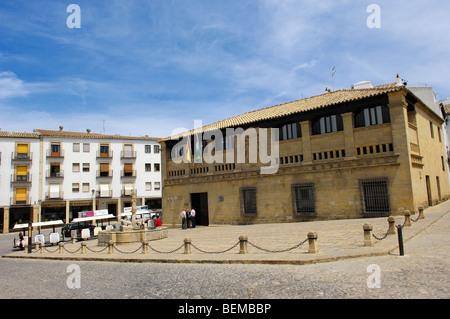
[
  {"x": 188, "y": 218},
  {"x": 193, "y": 218},
  {"x": 183, "y": 219}
]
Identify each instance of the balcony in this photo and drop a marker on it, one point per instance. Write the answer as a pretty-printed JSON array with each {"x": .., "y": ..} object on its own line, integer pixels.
[
  {"x": 19, "y": 202},
  {"x": 128, "y": 155},
  {"x": 105, "y": 174},
  {"x": 55, "y": 155},
  {"x": 21, "y": 179},
  {"x": 105, "y": 154},
  {"x": 127, "y": 174},
  {"x": 54, "y": 195},
  {"x": 55, "y": 175},
  {"x": 21, "y": 157},
  {"x": 128, "y": 192}
]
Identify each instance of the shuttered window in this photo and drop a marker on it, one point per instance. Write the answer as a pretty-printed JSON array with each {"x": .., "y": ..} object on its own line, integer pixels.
[
  {"x": 21, "y": 195},
  {"x": 22, "y": 150},
  {"x": 128, "y": 169},
  {"x": 104, "y": 169}
]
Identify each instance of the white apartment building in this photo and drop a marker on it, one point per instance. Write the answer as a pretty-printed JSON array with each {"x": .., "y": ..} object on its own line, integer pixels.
[{"x": 47, "y": 175}]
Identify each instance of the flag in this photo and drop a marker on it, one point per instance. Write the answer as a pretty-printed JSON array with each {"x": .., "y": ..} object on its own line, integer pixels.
[{"x": 188, "y": 149}]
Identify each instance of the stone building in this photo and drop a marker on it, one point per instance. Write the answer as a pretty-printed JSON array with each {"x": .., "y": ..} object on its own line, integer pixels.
[{"x": 351, "y": 153}]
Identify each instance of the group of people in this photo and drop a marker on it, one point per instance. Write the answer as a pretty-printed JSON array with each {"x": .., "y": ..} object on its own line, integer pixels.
[{"x": 186, "y": 217}]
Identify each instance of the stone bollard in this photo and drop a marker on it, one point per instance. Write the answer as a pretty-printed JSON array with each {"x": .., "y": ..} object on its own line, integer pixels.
[
  {"x": 391, "y": 221},
  {"x": 368, "y": 238},
  {"x": 110, "y": 247},
  {"x": 145, "y": 247},
  {"x": 407, "y": 218},
  {"x": 312, "y": 238},
  {"x": 421, "y": 215},
  {"x": 74, "y": 239},
  {"x": 243, "y": 240},
  {"x": 187, "y": 245},
  {"x": 83, "y": 247},
  {"x": 61, "y": 247},
  {"x": 42, "y": 248}
]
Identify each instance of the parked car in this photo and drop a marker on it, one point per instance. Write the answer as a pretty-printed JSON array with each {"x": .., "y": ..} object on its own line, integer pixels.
[{"x": 68, "y": 230}]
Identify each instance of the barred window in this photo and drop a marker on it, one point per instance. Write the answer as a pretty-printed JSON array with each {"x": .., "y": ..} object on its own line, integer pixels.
[
  {"x": 248, "y": 200},
  {"x": 374, "y": 197},
  {"x": 304, "y": 200}
]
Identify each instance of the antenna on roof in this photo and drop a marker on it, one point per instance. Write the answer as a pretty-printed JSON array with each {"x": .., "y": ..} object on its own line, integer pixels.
[{"x": 333, "y": 71}]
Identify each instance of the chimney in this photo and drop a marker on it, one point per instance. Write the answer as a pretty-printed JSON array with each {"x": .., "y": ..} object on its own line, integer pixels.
[
  {"x": 61, "y": 128},
  {"x": 88, "y": 130},
  {"x": 399, "y": 80}
]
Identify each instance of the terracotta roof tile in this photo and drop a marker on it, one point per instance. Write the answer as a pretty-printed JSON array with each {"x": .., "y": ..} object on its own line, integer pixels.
[
  {"x": 295, "y": 107},
  {"x": 69, "y": 134}
]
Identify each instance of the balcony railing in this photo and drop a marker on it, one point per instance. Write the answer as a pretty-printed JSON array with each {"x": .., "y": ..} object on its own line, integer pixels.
[
  {"x": 104, "y": 155},
  {"x": 105, "y": 174},
  {"x": 124, "y": 174},
  {"x": 54, "y": 196},
  {"x": 17, "y": 179},
  {"x": 55, "y": 174},
  {"x": 26, "y": 201},
  {"x": 128, "y": 192},
  {"x": 15, "y": 156},
  {"x": 51, "y": 154},
  {"x": 128, "y": 155}
]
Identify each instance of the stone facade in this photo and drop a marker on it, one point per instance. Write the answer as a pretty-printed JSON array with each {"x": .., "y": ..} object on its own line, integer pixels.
[{"x": 394, "y": 162}]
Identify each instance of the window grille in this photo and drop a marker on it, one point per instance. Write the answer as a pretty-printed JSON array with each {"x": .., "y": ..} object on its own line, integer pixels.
[
  {"x": 248, "y": 200},
  {"x": 304, "y": 200},
  {"x": 374, "y": 196}
]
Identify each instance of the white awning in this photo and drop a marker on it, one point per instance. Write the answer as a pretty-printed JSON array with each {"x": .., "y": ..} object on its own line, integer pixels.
[
  {"x": 40, "y": 224},
  {"x": 86, "y": 219}
]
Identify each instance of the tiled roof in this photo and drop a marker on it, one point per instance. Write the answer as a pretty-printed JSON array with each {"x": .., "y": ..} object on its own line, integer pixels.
[
  {"x": 295, "y": 107},
  {"x": 6, "y": 134},
  {"x": 68, "y": 134}
]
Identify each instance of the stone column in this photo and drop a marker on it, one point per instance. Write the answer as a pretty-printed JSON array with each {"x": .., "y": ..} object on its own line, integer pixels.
[
  {"x": 67, "y": 211},
  {"x": 306, "y": 141},
  {"x": 187, "y": 245},
  {"x": 5, "y": 220},
  {"x": 391, "y": 221},
  {"x": 407, "y": 218},
  {"x": 349, "y": 141}
]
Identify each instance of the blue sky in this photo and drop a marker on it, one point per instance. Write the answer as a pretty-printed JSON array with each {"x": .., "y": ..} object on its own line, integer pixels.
[{"x": 149, "y": 67}]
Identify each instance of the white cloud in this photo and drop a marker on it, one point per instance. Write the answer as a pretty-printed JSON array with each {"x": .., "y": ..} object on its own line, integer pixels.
[{"x": 11, "y": 86}]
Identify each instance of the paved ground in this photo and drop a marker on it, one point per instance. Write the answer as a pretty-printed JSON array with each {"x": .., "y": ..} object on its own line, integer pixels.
[{"x": 422, "y": 273}]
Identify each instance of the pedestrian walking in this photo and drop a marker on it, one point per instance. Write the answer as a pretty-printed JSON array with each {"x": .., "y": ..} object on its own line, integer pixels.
[
  {"x": 183, "y": 219},
  {"x": 188, "y": 217},
  {"x": 193, "y": 218}
]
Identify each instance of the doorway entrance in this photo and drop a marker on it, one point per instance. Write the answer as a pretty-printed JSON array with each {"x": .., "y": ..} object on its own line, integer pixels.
[{"x": 199, "y": 202}]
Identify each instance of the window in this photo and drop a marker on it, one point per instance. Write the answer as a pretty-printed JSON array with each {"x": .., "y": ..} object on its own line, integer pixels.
[
  {"x": 148, "y": 167},
  {"x": 55, "y": 149},
  {"x": 431, "y": 130},
  {"x": 156, "y": 149},
  {"x": 327, "y": 124},
  {"x": 128, "y": 169},
  {"x": 148, "y": 148},
  {"x": 128, "y": 189},
  {"x": 86, "y": 187},
  {"x": 290, "y": 131},
  {"x": 156, "y": 166},
  {"x": 372, "y": 116},
  {"x": 128, "y": 150},
  {"x": 374, "y": 197},
  {"x": 443, "y": 163},
  {"x": 148, "y": 186},
  {"x": 54, "y": 191},
  {"x": 157, "y": 186},
  {"x": 21, "y": 196},
  {"x": 76, "y": 147},
  {"x": 75, "y": 187},
  {"x": 248, "y": 200},
  {"x": 86, "y": 147},
  {"x": 75, "y": 167},
  {"x": 104, "y": 169},
  {"x": 55, "y": 170},
  {"x": 86, "y": 167},
  {"x": 104, "y": 150},
  {"x": 22, "y": 150},
  {"x": 105, "y": 190},
  {"x": 304, "y": 198},
  {"x": 22, "y": 174}
]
